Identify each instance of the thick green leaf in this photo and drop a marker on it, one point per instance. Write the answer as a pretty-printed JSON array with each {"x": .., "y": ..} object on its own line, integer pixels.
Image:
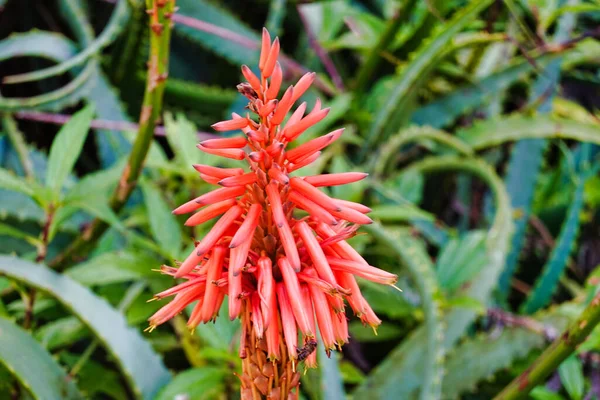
[
  {"x": 400, "y": 375},
  {"x": 117, "y": 21},
  {"x": 234, "y": 51},
  {"x": 66, "y": 147},
  {"x": 35, "y": 369},
  {"x": 398, "y": 102},
  {"x": 492, "y": 132},
  {"x": 571, "y": 376},
  {"x": 107, "y": 268},
  {"x": 460, "y": 260},
  {"x": 445, "y": 110},
  {"x": 480, "y": 357},
  {"x": 163, "y": 224},
  {"x": 400, "y": 213},
  {"x": 199, "y": 383},
  {"x": 546, "y": 284},
  {"x": 143, "y": 369},
  {"x": 57, "y": 48}
]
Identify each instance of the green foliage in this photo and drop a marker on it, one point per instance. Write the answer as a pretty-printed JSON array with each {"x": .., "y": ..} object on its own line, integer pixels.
[
  {"x": 502, "y": 95},
  {"x": 66, "y": 148},
  {"x": 143, "y": 369},
  {"x": 35, "y": 369}
]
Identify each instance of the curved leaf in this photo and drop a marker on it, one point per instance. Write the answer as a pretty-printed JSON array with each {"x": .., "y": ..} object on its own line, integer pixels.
[
  {"x": 35, "y": 369},
  {"x": 546, "y": 284},
  {"x": 406, "y": 364},
  {"x": 143, "y": 369},
  {"x": 54, "y": 47},
  {"x": 390, "y": 115},
  {"x": 493, "y": 132},
  {"x": 480, "y": 357},
  {"x": 117, "y": 22},
  {"x": 205, "y": 11},
  {"x": 413, "y": 255}
]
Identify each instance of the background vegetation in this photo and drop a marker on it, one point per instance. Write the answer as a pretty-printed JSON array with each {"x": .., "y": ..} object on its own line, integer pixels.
[{"x": 475, "y": 119}]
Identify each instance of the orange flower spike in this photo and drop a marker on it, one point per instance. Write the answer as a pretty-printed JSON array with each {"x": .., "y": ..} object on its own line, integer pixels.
[
  {"x": 266, "y": 287},
  {"x": 287, "y": 320},
  {"x": 305, "y": 299},
  {"x": 215, "y": 266},
  {"x": 315, "y": 252},
  {"x": 225, "y": 143},
  {"x": 271, "y": 59},
  {"x": 272, "y": 333},
  {"x": 257, "y": 317},
  {"x": 239, "y": 180},
  {"x": 210, "y": 212},
  {"x": 292, "y": 286},
  {"x": 303, "y": 84},
  {"x": 311, "y": 147},
  {"x": 315, "y": 210},
  {"x": 275, "y": 83},
  {"x": 323, "y": 317},
  {"x": 265, "y": 49},
  {"x": 279, "y": 270},
  {"x": 209, "y": 198},
  {"x": 235, "y": 154},
  {"x": 283, "y": 106},
  {"x": 230, "y": 125},
  {"x": 251, "y": 78},
  {"x": 218, "y": 172},
  {"x": 247, "y": 229},
  {"x": 309, "y": 191},
  {"x": 342, "y": 178}
]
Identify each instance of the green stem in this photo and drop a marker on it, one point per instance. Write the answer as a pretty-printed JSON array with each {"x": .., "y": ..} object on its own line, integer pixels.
[
  {"x": 367, "y": 69},
  {"x": 160, "y": 12},
  {"x": 559, "y": 350},
  {"x": 16, "y": 139}
]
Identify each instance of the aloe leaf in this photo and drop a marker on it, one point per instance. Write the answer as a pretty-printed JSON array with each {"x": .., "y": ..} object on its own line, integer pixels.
[
  {"x": 400, "y": 375},
  {"x": 547, "y": 283},
  {"x": 57, "y": 48},
  {"x": 32, "y": 366},
  {"x": 515, "y": 127},
  {"x": 480, "y": 357},
  {"x": 399, "y": 101},
  {"x": 142, "y": 368},
  {"x": 412, "y": 254},
  {"x": 445, "y": 110},
  {"x": 233, "y": 51},
  {"x": 117, "y": 21}
]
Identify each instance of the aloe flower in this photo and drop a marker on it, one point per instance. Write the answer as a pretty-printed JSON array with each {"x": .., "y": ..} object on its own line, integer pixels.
[{"x": 278, "y": 252}]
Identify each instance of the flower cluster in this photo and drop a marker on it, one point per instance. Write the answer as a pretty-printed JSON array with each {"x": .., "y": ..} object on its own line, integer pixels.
[{"x": 278, "y": 252}]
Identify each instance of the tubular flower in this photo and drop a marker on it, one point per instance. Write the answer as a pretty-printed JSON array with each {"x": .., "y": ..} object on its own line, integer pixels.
[{"x": 278, "y": 251}]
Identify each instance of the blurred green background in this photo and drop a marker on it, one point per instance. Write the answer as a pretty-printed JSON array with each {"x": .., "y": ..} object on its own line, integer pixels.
[{"x": 476, "y": 120}]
